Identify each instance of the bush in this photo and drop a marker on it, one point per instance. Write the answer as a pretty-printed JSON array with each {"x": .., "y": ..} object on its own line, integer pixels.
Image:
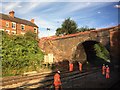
[{"x": 20, "y": 53}]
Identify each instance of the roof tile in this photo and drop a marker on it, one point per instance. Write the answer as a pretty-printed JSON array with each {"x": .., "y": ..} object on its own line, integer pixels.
[{"x": 17, "y": 20}]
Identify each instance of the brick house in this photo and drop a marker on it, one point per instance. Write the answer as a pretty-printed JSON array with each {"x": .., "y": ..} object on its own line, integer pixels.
[{"x": 13, "y": 25}]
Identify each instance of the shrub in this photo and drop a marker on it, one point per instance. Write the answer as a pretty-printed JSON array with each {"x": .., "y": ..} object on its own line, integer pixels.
[{"x": 20, "y": 53}]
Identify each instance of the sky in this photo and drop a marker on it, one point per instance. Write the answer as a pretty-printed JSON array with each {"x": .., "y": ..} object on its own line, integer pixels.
[{"x": 52, "y": 13}]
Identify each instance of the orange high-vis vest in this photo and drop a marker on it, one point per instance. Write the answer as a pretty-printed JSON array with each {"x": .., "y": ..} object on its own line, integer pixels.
[
  {"x": 57, "y": 80},
  {"x": 80, "y": 66},
  {"x": 70, "y": 67},
  {"x": 107, "y": 70},
  {"x": 103, "y": 70}
]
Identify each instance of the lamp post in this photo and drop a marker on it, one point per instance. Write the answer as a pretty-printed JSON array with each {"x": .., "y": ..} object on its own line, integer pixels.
[{"x": 48, "y": 29}]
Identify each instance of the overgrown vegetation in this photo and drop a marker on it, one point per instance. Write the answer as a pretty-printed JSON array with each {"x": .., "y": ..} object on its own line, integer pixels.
[
  {"x": 102, "y": 52},
  {"x": 20, "y": 53}
]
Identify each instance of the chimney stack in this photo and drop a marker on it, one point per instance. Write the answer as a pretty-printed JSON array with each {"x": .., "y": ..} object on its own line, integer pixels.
[
  {"x": 32, "y": 20},
  {"x": 11, "y": 13}
]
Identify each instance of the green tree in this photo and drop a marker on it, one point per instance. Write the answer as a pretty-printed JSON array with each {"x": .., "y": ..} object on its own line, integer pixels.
[
  {"x": 59, "y": 31},
  {"x": 68, "y": 27},
  {"x": 85, "y": 28}
]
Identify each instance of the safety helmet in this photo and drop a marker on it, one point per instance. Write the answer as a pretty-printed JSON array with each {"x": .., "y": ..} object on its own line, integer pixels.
[{"x": 58, "y": 71}]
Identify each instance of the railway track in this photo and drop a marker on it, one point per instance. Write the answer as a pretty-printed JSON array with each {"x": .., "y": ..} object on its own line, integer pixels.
[
  {"x": 42, "y": 80},
  {"x": 67, "y": 79}
]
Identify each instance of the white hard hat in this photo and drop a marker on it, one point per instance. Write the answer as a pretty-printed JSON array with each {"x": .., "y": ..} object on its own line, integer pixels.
[
  {"x": 58, "y": 71},
  {"x": 106, "y": 65}
]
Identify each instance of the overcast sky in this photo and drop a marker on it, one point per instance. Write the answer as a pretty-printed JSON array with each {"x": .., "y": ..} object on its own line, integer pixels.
[{"x": 51, "y": 13}]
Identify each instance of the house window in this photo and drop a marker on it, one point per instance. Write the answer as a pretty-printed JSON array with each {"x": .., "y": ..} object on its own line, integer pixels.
[
  {"x": 13, "y": 25},
  {"x": 35, "y": 30},
  {"x": 13, "y": 32},
  {"x": 7, "y": 24},
  {"x": 22, "y": 27},
  {"x": 8, "y": 31}
]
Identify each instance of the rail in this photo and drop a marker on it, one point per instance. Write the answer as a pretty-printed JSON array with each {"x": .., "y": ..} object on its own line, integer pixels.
[{"x": 43, "y": 80}]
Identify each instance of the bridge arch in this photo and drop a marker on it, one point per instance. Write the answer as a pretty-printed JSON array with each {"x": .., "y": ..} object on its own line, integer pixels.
[{"x": 85, "y": 52}]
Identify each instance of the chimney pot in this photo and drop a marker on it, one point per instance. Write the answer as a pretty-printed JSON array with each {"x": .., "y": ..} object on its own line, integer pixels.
[
  {"x": 32, "y": 20},
  {"x": 11, "y": 13}
]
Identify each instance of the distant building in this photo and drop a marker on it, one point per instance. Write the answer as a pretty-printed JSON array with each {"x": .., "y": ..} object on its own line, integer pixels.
[{"x": 13, "y": 25}]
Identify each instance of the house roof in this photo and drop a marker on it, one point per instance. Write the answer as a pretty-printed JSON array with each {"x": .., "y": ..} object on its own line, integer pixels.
[{"x": 17, "y": 20}]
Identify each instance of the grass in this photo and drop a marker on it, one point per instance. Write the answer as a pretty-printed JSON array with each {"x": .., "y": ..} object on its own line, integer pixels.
[{"x": 16, "y": 72}]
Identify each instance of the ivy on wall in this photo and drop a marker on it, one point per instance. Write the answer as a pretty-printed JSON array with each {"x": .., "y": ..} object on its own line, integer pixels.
[{"x": 102, "y": 52}]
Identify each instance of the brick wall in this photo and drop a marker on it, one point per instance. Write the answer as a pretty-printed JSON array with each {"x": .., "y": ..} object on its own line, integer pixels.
[
  {"x": 18, "y": 27},
  {"x": 115, "y": 45}
]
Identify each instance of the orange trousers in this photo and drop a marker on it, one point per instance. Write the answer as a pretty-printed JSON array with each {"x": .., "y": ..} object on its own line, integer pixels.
[
  {"x": 80, "y": 67},
  {"x": 107, "y": 75},
  {"x": 70, "y": 67},
  {"x": 103, "y": 72},
  {"x": 58, "y": 87}
]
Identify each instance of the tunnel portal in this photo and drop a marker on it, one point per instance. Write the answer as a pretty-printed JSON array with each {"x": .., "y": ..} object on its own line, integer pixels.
[{"x": 87, "y": 51}]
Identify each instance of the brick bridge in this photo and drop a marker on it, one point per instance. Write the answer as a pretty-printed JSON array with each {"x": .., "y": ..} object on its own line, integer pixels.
[{"x": 77, "y": 47}]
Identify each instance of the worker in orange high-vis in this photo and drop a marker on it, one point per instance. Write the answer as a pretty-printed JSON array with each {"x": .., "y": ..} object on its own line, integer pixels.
[
  {"x": 70, "y": 66},
  {"x": 103, "y": 69},
  {"x": 107, "y": 72},
  {"x": 57, "y": 81},
  {"x": 80, "y": 66}
]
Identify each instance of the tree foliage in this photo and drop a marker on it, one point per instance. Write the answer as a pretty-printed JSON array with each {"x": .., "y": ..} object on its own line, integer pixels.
[
  {"x": 59, "y": 31},
  {"x": 85, "y": 28},
  {"x": 20, "y": 52},
  {"x": 70, "y": 27}
]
